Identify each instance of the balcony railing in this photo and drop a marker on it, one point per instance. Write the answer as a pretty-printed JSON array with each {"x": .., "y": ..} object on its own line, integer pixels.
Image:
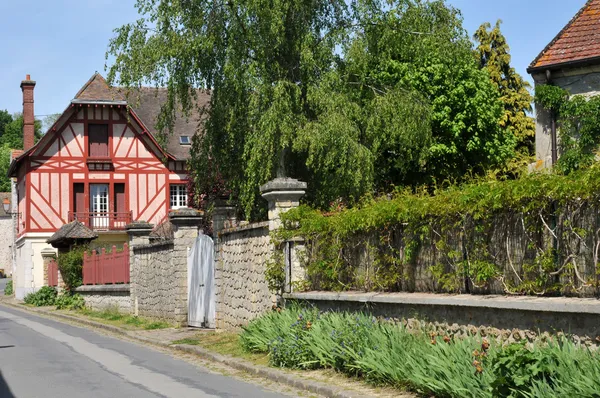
[{"x": 103, "y": 221}]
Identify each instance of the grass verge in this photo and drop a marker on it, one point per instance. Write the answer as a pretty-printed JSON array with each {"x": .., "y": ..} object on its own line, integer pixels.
[
  {"x": 225, "y": 343},
  {"x": 113, "y": 317}
]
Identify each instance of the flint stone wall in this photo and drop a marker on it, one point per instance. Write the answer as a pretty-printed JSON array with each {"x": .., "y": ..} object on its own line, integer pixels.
[
  {"x": 242, "y": 292},
  {"x": 6, "y": 236},
  {"x": 102, "y": 297},
  {"x": 502, "y": 318},
  {"x": 160, "y": 274}
]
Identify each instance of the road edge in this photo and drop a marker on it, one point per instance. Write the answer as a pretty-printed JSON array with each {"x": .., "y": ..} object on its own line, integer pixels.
[{"x": 271, "y": 374}]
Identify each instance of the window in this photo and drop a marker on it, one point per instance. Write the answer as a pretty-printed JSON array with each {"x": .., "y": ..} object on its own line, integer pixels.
[
  {"x": 179, "y": 196},
  {"x": 98, "y": 140},
  {"x": 185, "y": 140},
  {"x": 99, "y": 205}
]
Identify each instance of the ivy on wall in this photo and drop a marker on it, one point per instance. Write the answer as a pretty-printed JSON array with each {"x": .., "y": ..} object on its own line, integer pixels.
[
  {"x": 578, "y": 125},
  {"x": 536, "y": 235}
]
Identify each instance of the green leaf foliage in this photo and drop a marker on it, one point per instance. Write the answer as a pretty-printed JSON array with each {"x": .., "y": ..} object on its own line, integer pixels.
[
  {"x": 493, "y": 54},
  {"x": 70, "y": 266},
  {"x": 351, "y": 97},
  {"x": 578, "y": 126},
  {"x": 8, "y": 288},
  {"x": 462, "y": 235},
  {"x": 45, "y": 296},
  {"x": 386, "y": 353}
]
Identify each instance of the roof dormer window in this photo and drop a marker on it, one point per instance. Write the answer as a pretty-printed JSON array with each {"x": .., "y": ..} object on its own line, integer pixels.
[{"x": 185, "y": 140}]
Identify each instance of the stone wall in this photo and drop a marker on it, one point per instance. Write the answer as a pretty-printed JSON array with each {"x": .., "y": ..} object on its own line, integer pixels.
[
  {"x": 504, "y": 318},
  {"x": 160, "y": 277},
  {"x": 242, "y": 292},
  {"x": 102, "y": 297},
  {"x": 6, "y": 236}
]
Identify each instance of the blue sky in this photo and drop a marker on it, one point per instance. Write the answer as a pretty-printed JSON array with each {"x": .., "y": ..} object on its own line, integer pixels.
[{"x": 61, "y": 43}]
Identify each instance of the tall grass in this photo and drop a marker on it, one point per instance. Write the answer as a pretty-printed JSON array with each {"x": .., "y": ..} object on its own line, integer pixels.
[{"x": 386, "y": 353}]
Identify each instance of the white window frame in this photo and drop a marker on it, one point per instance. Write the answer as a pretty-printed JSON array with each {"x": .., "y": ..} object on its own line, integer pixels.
[{"x": 178, "y": 196}]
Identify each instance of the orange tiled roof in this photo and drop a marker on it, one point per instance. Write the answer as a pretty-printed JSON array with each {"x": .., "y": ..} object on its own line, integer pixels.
[
  {"x": 579, "y": 40},
  {"x": 16, "y": 153}
]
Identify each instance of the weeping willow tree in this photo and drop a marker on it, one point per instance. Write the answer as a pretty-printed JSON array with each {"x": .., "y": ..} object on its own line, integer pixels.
[{"x": 307, "y": 89}]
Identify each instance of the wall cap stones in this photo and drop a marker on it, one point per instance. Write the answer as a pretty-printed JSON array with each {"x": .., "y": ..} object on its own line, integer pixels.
[
  {"x": 283, "y": 189},
  {"x": 257, "y": 225},
  {"x": 47, "y": 252},
  {"x": 102, "y": 288},
  {"x": 153, "y": 245},
  {"x": 522, "y": 303},
  {"x": 186, "y": 217},
  {"x": 139, "y": 228}
]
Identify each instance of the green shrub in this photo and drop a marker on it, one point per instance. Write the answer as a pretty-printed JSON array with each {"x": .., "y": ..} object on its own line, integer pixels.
[
  {"x": 69, "y": 301},
  {"x": 386, "y": 353},
  {"x": 43, "y": 297},
  {"x": 70, "y": 265},
  {"x": 8, "y": 289}
]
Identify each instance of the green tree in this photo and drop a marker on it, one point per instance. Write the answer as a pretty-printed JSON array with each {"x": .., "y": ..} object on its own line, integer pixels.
[
  {"x": 5, "y": 152},
  {"x": 493, "y": 54},
  {"x": 5, "y": 118},
  {"x": 351, "y": 98},
  {"x": 422, "y": 47},
  {"x": 13, "y": 132}
]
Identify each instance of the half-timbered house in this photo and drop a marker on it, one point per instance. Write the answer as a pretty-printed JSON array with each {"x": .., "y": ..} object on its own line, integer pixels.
[{"x": 100, "y": 164}]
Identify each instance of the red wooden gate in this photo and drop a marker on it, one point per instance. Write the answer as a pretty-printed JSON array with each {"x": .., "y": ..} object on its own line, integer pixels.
[
  {"x": 106, "y": 268},
  {"x": 52, "y": 273}
]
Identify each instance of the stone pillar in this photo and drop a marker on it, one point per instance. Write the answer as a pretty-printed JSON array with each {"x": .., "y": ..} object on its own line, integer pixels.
[
  {"x": 223, "y": 216},
  {"x": 139, "y": 235},
  {"x": 186, "y": 225},
  {"x": 284, "y": 194}
]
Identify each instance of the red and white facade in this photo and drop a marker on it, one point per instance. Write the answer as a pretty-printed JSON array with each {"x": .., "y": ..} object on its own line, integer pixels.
[{"x": 99, "y": 165}]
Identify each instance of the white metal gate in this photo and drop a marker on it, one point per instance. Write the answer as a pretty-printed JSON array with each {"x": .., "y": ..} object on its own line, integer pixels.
[{"x": 201, "y": 292}]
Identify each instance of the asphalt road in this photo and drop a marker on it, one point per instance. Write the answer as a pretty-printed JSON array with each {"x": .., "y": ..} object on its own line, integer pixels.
[{"x": 44, "y": 358}]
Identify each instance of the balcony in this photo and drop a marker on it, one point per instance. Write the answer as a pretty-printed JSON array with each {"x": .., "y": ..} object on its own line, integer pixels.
[{"x": 103, "y": 221}]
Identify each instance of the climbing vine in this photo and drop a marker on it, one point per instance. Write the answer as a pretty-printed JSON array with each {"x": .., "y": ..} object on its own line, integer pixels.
[
  {"x": 536, "y": 235},
  {"x": 578, "y": 125}
]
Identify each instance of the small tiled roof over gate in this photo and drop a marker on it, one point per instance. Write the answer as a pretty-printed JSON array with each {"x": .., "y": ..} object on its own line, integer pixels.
[{"x": 578, "y": 41}]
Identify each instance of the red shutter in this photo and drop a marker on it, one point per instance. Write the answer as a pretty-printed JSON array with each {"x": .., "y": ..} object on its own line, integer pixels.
[
  {"x": 98, "y": 140},
  {"x": 120, "y": 199},
  {"x": 79, "y": 198}
]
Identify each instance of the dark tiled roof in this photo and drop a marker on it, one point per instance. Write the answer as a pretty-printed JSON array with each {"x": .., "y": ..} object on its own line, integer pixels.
[
  {"x": 71, "y": 232},
  {"x": 146, "y": 103},
  {"x": 97, "y": 89},
  {"x": 579, "y": 40},
  {"x": 3, "y": 195}
]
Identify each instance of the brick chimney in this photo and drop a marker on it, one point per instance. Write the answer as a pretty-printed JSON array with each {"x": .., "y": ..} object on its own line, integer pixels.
[{"x": 27, "y": 87}]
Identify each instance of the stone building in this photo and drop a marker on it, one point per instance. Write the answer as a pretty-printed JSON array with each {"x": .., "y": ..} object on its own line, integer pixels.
[
  {"x": 6, "y": 235},
  {"x": 570, "y": 61}
]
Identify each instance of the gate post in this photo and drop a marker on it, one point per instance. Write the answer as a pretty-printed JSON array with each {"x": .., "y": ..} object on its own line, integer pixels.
[
  {"x": 48, "y": 255},
  {"x": 139, "y": 235},
  {"x": 284, "y": 194},
  {"x": 186, "y": 223},
  {"x": 223, "y": 216}
]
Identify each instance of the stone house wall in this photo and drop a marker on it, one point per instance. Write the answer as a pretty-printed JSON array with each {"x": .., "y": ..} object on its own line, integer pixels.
[
  {"x": 6, "y": 236},
  {"x": 242, "y": 292},
  {"x": 577, "y": 81}
]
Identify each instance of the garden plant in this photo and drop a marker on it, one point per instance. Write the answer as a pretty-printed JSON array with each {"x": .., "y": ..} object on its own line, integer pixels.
[{"x": 385, "y": 353}]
